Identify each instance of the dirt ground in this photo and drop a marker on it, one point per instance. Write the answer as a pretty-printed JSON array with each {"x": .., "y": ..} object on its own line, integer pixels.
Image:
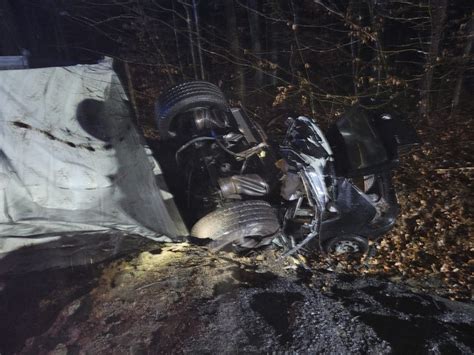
[{"x": 181, "y": 298}]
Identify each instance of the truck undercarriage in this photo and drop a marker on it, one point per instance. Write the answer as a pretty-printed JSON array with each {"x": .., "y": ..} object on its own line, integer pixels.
[{"x": 330, "y": 190}]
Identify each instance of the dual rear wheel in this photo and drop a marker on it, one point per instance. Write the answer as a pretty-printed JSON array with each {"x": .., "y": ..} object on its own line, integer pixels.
[{"x": 245, "y": 224}]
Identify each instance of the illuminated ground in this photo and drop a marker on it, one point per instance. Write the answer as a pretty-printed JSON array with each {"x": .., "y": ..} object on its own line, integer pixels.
[{"x": 180, "y": 298}]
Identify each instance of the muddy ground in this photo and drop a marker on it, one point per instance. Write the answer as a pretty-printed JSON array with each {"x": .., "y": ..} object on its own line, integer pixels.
[{"x": 181, "y": 298}]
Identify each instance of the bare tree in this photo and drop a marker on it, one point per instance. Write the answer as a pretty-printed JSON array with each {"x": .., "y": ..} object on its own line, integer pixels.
[
  {"x": 254, "y": 25},
  {"x": 190, "y": 36},
  {"x": 176, "y": 37},
  {"x": 274, "y": 29},
  {"x": 438, "y": 18},
  {"x": 319, "y": 54},
  {"x": 198, "y": 38},
  {"x": 465, "y": 61},
  {"x": 233, "y": 36}
]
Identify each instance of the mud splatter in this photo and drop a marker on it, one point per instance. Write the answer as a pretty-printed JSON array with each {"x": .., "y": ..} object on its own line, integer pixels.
[{"x": 50, "y": 136}]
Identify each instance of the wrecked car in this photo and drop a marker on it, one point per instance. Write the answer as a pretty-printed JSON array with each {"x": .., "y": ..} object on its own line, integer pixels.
[{"x": 329, "y": 190}]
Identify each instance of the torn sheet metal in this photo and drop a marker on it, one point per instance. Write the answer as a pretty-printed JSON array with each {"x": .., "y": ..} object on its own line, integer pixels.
[{"x": 71, "y": 161}]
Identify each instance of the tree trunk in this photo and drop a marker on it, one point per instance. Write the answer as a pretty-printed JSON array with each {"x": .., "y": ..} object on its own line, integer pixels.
[
  {"x": 233, "y": 37},
  {"x": 131, "y": 92},
  {"x": 296, "y": 21},
  {"x": 438, "y": 17},
  {"x": 254, "y": 25},
  {"x": 198, "y": 38},
  {"x": 467, "y": 52},
  {"x": 176, "y": 38},
  {"x": 273, "y": 35},
  {"x": 191, "y": 41}
]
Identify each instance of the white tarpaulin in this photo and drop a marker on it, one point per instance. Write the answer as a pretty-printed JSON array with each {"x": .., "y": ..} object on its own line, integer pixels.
[{"x": 72, "y": 163}]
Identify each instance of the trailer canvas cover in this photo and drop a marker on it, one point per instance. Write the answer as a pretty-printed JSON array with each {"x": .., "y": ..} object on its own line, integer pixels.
[{"x": 73, "y": 169}]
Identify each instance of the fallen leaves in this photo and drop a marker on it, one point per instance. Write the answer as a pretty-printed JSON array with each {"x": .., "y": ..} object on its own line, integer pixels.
[{"x": 432, "y": 245}]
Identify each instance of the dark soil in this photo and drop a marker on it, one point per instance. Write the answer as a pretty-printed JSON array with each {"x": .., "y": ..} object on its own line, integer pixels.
[{"x": 182, "y": 299}]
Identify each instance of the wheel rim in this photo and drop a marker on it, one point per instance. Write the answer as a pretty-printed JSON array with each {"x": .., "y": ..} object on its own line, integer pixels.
[
  {"x": 346, "y": 247},
  {"x": 200, "y": 114},
  {"x": 171, "y": 128}
]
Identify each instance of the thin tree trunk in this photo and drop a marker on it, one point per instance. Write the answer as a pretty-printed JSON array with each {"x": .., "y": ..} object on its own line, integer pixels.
[
  {"x": 467, "y": 52},
  {"x": 191, "y": 41},
  {"x": 176, "y": 39},
  {"x": 296, "y": 21},
  {"x": 379, "y": 52},
  {"x": 254, "y": 25},
  {"x": 198, "y": 38},
  {"x": 274, "y": 30},
  {"x": 438, "y": 17},
  {"x": 131, "y": 92},
  {"x": 233, "y": 37},
  {"x": 355, "y": 65},
  {"x": 157, "y": 44}
]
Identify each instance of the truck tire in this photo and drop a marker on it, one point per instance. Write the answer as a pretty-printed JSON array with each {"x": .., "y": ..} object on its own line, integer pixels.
[
  {"x": 183, "y": 98},
  {"x": 246, "y": 224}
]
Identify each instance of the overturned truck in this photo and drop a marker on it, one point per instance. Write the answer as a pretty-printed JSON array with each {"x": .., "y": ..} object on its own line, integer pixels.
[{"x": 78, "y": 182}]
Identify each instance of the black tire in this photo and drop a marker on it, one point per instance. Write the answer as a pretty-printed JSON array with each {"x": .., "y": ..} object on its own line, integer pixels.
[
  {"x": 247, "y": 224},
  {"x": 346, "y": 244},
  {"x": 185, "y": 97}
]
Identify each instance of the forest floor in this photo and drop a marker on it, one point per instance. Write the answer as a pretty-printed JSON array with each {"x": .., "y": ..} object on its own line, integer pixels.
[
  {"x": 180, "y": 298},
  {"x": 432, "y": 244}
]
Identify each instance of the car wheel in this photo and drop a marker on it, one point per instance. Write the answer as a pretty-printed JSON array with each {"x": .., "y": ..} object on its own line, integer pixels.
[
  {"x": 246, "y": 224},
  {"x": 346, "y": 244},
  {"x": 183, "y": 98}
]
